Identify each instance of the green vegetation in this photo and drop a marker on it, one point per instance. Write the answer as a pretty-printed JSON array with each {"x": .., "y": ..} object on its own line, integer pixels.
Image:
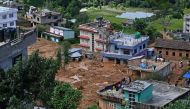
[
  {"x": 62, "y": 98},
  {"x": 93, "y": 106},
  {"x": 179, "y": 104},
  {"x": 33, "y": 81}
]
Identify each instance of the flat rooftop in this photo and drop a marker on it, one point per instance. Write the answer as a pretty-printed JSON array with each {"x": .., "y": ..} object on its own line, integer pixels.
[
  {"x": 164, "y": 93},
  {"x": 127, "y": 40},
  {"x": 149, "y": 65},
  {"x": 93, "y": 26},
  {"x": 137, "y": 86},
  {"x": 6, "y": 9}
]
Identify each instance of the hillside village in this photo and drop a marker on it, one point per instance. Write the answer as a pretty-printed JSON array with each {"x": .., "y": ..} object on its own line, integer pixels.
[{"x": 94, "y": 54}]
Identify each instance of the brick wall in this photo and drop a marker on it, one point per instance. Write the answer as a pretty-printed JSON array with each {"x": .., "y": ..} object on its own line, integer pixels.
[{"x": 173, "y": 54}]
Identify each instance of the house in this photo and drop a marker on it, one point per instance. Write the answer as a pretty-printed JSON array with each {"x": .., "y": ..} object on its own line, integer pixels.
[
  {"x": 13, "y": 45},
  {"x": 173, "y": 49},
  {"x": 186, "y": 23},
  {"x": 128, "y": 23},
  {"x": 148, "y": 94},
  {"x": 58, "y": 34},
  {"x": 8, "y": 17},
  {"x": 75, "y": 53},
  {"x": 13, "y": 4},
  {"x": 142, "y": 68},
  {"x": 44, "y": 17},
  {"x": 123, "y": 47},
  {"x": 93, "y": 35}
]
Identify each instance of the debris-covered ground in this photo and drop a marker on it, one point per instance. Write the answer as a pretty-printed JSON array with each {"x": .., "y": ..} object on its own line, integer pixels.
[
  {"x": 46, "y": 48},
  {"x": 90, "y": 75}
]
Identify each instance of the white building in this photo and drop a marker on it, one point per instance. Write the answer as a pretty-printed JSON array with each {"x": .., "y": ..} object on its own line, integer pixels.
[
  {"x": 8, "y": 17},
  {"x": 186, "y": 24}
]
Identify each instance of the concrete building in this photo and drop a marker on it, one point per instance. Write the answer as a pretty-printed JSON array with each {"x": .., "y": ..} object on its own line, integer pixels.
[
  {"x": 142, "y": 68},
  {"x": 93, "y": 35},
  {"x": 13, "y": 46},
  {"x": 57, "y": 34},
  {"x": 173, "y": 49},
  {"x": 8, "y": 17},
  {"x": 186, "y": 23},
  {"x": 43, "y": 16},
  {"x": 139, "y": 95},
  {"x": 123, "y": 47}
]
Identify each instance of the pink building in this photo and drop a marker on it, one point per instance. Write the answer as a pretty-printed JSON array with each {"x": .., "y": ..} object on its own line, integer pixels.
[{"x": 93, "y": 36}]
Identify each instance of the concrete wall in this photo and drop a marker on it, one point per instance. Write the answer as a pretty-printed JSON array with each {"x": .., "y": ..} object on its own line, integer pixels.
[
  {"x": 10, "y": 51},
  {"x": 103, "y": 104}
]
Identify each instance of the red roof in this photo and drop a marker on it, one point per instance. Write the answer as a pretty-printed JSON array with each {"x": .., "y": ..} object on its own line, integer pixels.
[
  {"x": 84, "y": 45},
  {"x": 84, "y": 37}
]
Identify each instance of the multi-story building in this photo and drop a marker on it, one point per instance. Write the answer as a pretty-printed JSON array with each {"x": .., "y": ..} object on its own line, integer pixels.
[
  {"x": 123, "y": 47},
  {"x": 186, "y": 24},
  {"x": 44, "y": 16},
  {"x": 8, "y": 17},
  {"x": 139, "y": 95},
  {"x": 173, "y": 49},
  {"x": 13, "y": 46},
  {"x": 57, "y": 34},
  {"x": 93, "y": 35}
]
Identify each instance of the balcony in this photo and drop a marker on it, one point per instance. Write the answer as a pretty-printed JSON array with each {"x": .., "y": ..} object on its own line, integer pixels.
[
  {"x": 99, "y": 49},
  {"x": 100, "y": 40},
  {"x": 85, "y": 45},
  {"x": 84, "y": 37},
  {"x": 116, "y": 55}
]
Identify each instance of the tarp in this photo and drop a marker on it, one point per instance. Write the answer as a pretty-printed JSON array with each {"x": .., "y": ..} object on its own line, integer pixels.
[{"x": 187, "y": 75}]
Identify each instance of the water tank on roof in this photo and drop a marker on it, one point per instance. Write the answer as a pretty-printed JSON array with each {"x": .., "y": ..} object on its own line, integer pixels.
[{"x": 137, "y": 35}]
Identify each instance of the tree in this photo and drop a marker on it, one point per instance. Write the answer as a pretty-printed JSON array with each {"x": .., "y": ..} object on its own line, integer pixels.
[
  {"x": 93, "y": 106},
  {"x": 65, "y": 97},
  {"x": 139, "y": 25},
  {"x": 28, "y": 81},
  {"x": 66, "y": 47}
]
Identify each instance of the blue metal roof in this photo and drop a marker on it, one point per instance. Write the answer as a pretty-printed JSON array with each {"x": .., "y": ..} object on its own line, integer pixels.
[
  {"x": 75, "y": 55},
  {"x": 187, "y": 75},
  {"x": 72, "y": 50}
]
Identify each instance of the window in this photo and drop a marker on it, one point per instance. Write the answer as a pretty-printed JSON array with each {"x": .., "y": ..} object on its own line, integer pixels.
[
  {"x": 126, "y": 52},
  {"x": 135, "y": 51},
  {"x": 140, "y": 47},
  {"x": 180, "y": 54},
  {"x": 38, "y": 19},
  {"x": 166, "y": 52},
  {"x": 11, "y": 15},
  {"x": 12, "y": 24},
  {"x": 144, "y": 46},
  {"x": 187, "y": 55},
  {"x": 116, "y": 48},
  {"x": 4, "y": 25},
  {"x": 49, "y": 17},
  {"x": 4, "y": 16},
  {"x": 160, "y": 52},
  {"x": 55, "y": 17},
  {"x": 173, "y": 53}
]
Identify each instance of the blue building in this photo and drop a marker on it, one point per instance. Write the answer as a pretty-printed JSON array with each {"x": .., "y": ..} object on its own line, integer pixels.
[
  {"x": 123, "y": 47},
  {"x": 57, "y": 34}
]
